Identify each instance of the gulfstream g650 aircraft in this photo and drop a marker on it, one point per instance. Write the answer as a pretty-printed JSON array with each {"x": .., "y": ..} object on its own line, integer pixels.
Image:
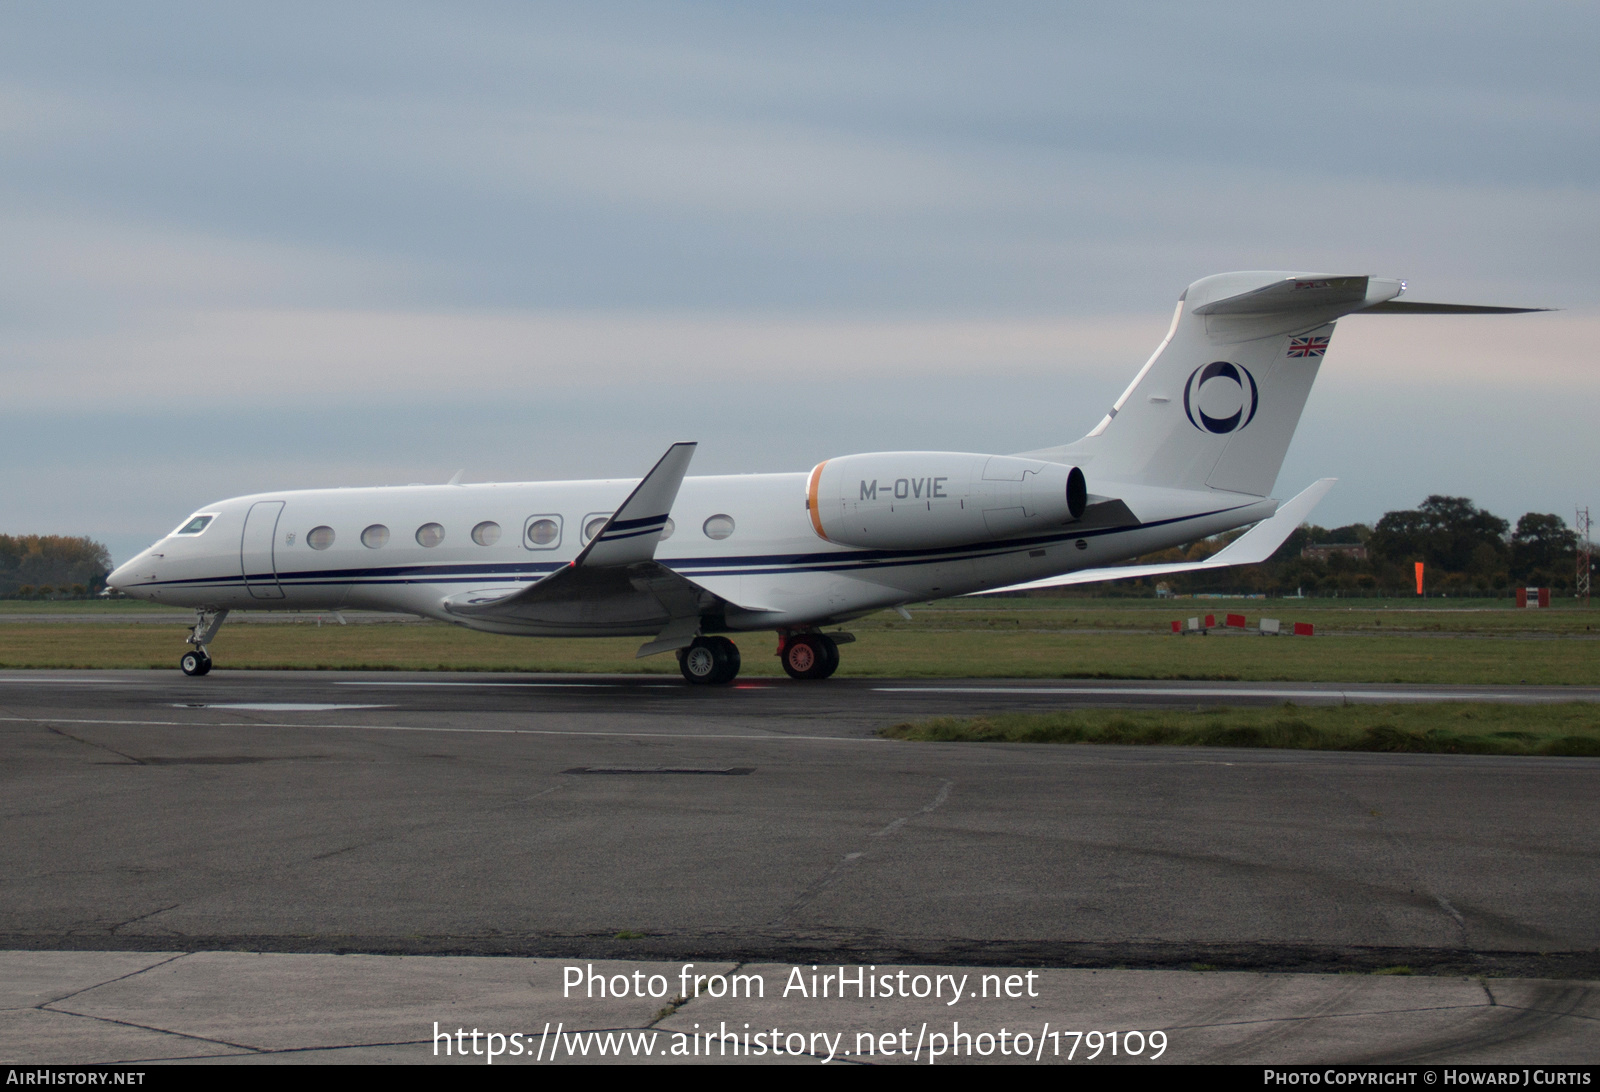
[{"x": 1191, "y": 449}]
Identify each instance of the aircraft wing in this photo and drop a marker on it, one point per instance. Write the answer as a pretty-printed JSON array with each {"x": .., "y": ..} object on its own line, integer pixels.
[
  {"x": 1250, "y": 548},
  {"x": 615, "y": 580}
]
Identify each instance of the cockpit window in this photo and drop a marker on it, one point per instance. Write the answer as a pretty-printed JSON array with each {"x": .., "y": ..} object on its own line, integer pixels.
[{"x": 195, "y": 526}]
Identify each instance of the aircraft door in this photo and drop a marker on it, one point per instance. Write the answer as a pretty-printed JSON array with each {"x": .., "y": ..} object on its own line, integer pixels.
[{"x": 255, "y": 550}]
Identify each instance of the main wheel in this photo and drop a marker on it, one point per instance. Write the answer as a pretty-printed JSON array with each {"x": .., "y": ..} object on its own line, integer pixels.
[
  {"x": 195, "y": 662},
  {"x": 710, "y": 661},
  {"x": 730, "y": 651},
  {"x": 805, "y": 656},
  {"x": 830, "y": 662}
]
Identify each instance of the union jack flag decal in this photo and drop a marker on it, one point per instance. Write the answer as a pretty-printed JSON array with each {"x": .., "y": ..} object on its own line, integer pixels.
[{"x": 1308, "y": 346}]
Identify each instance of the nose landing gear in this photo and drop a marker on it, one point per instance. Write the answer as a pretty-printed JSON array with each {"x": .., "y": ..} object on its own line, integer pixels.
[{"x": 197, "y": 661}]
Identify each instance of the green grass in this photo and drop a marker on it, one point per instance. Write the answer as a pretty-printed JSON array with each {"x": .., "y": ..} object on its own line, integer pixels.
[
  {"x": 1571, "y": 728},
  {"x": 903, "y": 651},
  {"x": 111, "y": 607},
  {"x": 1331, "y": 616},
  {"x": 1381, "y": 641}
]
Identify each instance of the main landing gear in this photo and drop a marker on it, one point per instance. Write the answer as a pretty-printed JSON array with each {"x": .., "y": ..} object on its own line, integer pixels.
[
  {"x": 709, "y": 661},
  {"x": 808, "y": 655},
  {"x": 197, "y": 661}
]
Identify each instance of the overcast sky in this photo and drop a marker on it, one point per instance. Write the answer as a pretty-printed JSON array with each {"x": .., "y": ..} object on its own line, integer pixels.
[{"x": 247, "y": 247}]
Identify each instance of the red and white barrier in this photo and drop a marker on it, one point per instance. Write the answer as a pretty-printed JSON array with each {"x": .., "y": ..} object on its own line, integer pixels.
[{"x": 1533, "y": 597}]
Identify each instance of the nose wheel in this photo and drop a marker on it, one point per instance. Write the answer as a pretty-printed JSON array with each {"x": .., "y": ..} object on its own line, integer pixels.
[
  {"x": 197, "y": 661},
  {"x": 809, "y": 656},
  {"x": 709, "y": 661}
]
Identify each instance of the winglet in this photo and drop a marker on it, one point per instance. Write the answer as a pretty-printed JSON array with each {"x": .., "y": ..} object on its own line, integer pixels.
[
  {"x": 1263, "y": 540},
  {"x": 632, "y": 532},
  {"x": 1250, "y": 548}
]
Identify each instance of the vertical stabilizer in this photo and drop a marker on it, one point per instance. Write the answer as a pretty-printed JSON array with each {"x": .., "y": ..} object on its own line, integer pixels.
[{"x": 1217, "y": 404}]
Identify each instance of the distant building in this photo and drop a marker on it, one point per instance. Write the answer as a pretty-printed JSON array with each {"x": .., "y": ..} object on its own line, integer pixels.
[{"x": 1322, "y": 551}]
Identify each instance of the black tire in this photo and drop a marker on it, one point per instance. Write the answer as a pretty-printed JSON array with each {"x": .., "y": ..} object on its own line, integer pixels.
[
  {"x": 830, "y": 662},
  {"x": 805, "y": 656},
  {"x": 705, "y": 662},
  {"x": 733, "y": 660},
  {"x": 194, "y": 662}
]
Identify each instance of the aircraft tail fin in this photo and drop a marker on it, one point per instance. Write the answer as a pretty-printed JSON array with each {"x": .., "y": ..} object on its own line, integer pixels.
[{"x": 1216, "y": 405}]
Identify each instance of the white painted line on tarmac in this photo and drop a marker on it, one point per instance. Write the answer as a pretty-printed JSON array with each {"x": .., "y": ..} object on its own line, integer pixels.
[
  {"x": 1242, "y": 692},
  {"x": 485, "y": 685},
  {"x": 773, "y": 738},
  {"x": 275, "y": 706},
  {"x": 63, "y": 682}
]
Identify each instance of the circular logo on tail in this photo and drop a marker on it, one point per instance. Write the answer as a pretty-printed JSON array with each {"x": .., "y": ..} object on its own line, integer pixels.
[{"x": 1220, "y": 397}]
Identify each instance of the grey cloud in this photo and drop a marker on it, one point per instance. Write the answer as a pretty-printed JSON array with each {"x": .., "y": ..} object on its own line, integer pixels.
[{"x": 1023, "y": 166}]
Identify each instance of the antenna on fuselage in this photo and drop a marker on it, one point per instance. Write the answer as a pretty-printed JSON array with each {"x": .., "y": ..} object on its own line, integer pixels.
[{"x": 456, "y": 478}]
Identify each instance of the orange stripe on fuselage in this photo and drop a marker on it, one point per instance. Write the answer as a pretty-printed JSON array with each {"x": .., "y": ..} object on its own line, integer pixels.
[{"x": 811, "y": 501}]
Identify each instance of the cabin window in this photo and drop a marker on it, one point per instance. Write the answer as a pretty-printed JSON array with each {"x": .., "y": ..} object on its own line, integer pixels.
[
  {"x": 375, "y": 537},
  {"x": 542, "y": 532},
  {"x": 486, "y": 533},
  {"x": 430, "y": 535},
  {"x": 593, "y": 525},
  {"x": 319, "y": 538},
  {"x": 719, "y": 526},
  {"x": 667, "y": 528},
  {"x": 195, "y": 526}
]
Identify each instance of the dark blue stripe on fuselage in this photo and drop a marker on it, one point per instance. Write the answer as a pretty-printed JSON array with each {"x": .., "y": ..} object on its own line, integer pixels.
[{"x": 751, "y": 565}]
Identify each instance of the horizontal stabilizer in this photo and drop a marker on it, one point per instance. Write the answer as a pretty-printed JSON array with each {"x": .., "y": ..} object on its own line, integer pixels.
[
  {"x": 1302, "y": 293},
  {"x": 1250, "y": 548},
  {"x": 1417, "y": 307}
]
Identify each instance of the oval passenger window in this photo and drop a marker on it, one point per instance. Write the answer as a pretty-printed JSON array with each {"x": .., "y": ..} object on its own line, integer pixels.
[
  {"x": 375, "y": 537},
  {"x": 542, "y": 532},
  {"x": 486, "y": 533},
  {"x": 719, "y": 526},
  {"x": 430, "y": 535},
  {"x": 594, "y": 527},
  {"x": 667, "y": 528},
  {"x": 319, "y": 538}
]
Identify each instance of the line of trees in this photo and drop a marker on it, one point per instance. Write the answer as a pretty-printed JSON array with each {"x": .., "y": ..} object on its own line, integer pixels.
[
  {"x": 1465, "y": 550},
  {"x": 52, "y": 567}
]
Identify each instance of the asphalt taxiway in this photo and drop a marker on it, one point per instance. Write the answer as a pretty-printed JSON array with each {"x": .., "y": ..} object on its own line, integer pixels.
[
  {"x": 635, "y": 818},
  {"x": 393, "y": 812}
]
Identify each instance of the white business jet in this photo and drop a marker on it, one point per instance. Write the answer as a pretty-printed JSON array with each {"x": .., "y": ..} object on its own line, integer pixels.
[{"x": 1191, "y": 449}]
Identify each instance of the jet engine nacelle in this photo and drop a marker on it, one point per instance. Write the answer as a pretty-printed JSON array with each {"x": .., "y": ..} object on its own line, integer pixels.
[{"x": 917, "y": 499}]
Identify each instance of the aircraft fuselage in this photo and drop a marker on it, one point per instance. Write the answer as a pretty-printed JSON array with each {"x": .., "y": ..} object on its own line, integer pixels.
[{"x": 415, "y": 549}]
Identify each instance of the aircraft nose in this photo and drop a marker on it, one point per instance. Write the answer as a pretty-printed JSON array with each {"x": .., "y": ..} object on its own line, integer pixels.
[
  {"x": 123, "y": 577},
  {"x": 115, "y": 578}
]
